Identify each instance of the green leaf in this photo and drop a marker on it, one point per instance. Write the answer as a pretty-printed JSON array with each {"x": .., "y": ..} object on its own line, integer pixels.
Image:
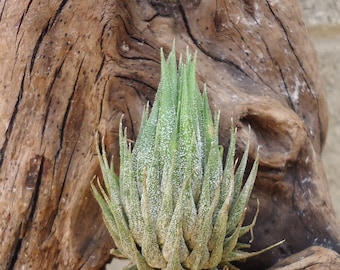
[
  {"x": 174, "y": 205},
  {"x": 150, "y": 248},
  {"x": 242, "y": 200},
  {"x": 238, "y": 255}
]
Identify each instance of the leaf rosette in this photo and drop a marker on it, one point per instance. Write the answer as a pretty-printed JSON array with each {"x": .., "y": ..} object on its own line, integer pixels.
[{"x": 176, "y": 204}]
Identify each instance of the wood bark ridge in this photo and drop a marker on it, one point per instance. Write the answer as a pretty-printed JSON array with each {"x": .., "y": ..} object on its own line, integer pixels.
[{"x": 69, "y": 68}]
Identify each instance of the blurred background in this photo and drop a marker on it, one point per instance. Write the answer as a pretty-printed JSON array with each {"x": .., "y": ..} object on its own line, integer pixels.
[{"x": 323, "y": 21}]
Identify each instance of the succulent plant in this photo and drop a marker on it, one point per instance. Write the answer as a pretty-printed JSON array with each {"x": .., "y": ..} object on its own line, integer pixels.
[{"x": 174, "y": 204}]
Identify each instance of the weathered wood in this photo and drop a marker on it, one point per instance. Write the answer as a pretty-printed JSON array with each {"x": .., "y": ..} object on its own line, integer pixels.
[
  {"x": 313, "y": 258},
  {"x": 69, "y": 68}
]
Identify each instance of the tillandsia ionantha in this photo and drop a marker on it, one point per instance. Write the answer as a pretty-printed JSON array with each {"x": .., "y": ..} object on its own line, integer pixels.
[{"x": 174, "y": 204}]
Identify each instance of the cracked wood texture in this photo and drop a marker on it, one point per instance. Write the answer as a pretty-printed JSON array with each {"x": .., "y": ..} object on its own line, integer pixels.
[{"x": 69, "y": 68}]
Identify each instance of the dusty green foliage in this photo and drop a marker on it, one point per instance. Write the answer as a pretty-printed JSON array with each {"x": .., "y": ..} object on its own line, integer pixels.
[{"x": 174, "y": 204}]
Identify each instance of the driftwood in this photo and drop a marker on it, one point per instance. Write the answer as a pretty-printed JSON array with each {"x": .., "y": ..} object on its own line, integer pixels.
[
  {"x": 313, "y": 258},
  {"x": 69, "y": 68}
]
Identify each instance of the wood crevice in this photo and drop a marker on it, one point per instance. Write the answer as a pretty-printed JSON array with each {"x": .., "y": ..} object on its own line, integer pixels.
[
  {"x": 65, "y": 118},
  {"x": 204, "y": 51},
  {"x": 37, "y": 45}
]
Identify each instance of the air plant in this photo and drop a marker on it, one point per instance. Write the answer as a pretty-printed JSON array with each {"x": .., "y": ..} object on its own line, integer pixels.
[{"x": 174, "y": 205}]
